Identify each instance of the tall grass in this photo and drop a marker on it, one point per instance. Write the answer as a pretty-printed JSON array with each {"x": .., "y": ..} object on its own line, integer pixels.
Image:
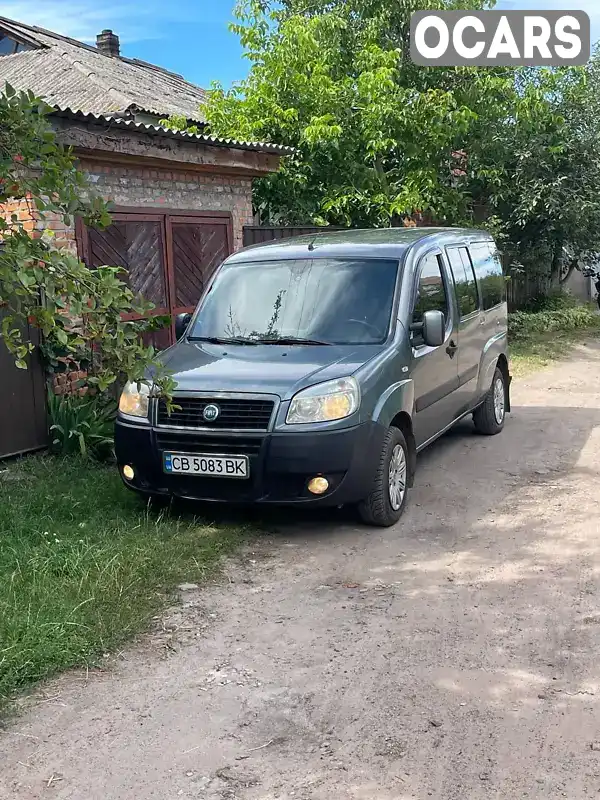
[
  {"x": 548, "y": 333},
  {"x": 84, "y": 565},
  {"x": 82, "y": 425}
]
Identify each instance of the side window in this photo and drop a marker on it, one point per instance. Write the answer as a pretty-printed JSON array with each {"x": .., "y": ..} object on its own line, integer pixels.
[
  {"x": 464, "y": 280},
  {"x": 488, "y": 269},
  {"x": 430, "y": 291}
]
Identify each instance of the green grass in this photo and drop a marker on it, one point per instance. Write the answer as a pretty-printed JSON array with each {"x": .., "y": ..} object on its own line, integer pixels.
[
  {"x": 542, "y": 349},
  {"x": 539, "y": 339},
  {"x": 84, "y": 565}
]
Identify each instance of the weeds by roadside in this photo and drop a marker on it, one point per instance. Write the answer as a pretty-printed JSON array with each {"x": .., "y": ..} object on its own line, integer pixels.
[
  {"x": 84, "y": 565},
  {"x": 538, "y": 338},
  {"x": 82, "y": 425}
]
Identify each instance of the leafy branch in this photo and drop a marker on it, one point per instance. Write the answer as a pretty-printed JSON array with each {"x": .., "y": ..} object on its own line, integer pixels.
[{"x": 77, "y": 309}]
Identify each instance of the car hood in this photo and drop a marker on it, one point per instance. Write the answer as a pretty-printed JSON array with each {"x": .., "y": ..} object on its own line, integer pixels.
[{"x": 270, "y": 369}]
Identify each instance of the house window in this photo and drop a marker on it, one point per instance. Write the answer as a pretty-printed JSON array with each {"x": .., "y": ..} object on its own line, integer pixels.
[
  {"x": 168, "y": 258},
  {"x": 9, "y": 46}
]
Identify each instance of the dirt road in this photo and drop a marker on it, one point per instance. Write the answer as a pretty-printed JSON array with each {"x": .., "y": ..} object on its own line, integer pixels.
[{"x": 456, "y": 656}]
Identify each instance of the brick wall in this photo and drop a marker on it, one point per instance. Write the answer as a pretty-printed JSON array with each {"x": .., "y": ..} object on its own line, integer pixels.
[
  {"x": 24, "y": 211},
  {"x": 34, "y": 221},
  {"x": 139, "y": 187},
  {"x": 64, "y": 235}
]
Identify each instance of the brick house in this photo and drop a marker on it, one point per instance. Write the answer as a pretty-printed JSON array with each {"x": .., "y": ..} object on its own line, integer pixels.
[{"x": 181, "y": 200}]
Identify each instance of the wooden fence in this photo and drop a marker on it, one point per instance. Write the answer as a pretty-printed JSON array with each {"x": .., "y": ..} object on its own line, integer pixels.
[
  {"x": 258, "y": 234},
  {"x": 521, "y": 288},
  {"x": 23, "y": 420}
]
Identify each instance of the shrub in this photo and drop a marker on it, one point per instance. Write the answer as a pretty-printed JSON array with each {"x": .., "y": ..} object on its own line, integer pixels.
[
  {"x": 556, "y": 300},
  {"x": 522, "y": 324},
  {"x": 82, "y": 425}
]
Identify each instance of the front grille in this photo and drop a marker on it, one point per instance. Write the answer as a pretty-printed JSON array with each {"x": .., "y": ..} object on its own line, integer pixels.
[
  {"x": 219, "y": 445},
  {"x": 234, "y": 413}
]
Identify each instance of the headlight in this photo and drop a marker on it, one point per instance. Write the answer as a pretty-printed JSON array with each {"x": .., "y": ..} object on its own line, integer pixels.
[
  {"x": 134, "y": 399},
  {"x": 325, "y": 402}
]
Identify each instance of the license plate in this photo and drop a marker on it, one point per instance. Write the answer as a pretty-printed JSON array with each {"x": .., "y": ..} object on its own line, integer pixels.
[{"x": 215, "y": 466}]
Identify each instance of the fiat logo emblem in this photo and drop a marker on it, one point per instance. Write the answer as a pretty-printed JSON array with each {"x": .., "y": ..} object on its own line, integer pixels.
[{"x": 211, "y": 412}]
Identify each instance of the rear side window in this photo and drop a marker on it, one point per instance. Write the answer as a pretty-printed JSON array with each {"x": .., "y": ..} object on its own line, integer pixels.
[
  {"x": 488, "y": 268},
  {"x": 431, "y": 292},
  {"x": 464, "y": 280}
]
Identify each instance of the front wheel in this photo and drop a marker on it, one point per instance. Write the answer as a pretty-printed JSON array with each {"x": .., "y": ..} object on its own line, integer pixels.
[
  {"x": 490, "y": 415},
  {"x": 385, "y": 503}
]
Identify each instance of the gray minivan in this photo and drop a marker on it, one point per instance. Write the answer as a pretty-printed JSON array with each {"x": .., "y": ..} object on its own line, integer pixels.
[{"x": 315, "y": 369}]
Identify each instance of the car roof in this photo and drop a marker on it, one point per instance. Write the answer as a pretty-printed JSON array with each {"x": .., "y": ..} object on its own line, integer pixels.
[{"x": 367, "y": 243}]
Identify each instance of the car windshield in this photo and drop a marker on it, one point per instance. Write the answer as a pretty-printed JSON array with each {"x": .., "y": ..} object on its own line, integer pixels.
[{"x": 303, "y": 301}]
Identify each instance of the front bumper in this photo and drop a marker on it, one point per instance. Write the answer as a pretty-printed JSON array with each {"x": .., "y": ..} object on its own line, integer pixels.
[{"x": 281, "y": 464}]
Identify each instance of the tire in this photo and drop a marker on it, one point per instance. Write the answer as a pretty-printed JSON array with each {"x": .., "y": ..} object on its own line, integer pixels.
[
  {"x": 378, "y": 508},
  {"x": 490, "y": 416}
]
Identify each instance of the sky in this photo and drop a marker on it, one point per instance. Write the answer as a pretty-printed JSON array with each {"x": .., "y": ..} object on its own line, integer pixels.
[{"x": 190, "y": 37}]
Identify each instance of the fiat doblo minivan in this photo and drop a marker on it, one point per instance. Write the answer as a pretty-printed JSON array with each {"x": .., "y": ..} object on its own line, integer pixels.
[{"x": 315, "y": 369}]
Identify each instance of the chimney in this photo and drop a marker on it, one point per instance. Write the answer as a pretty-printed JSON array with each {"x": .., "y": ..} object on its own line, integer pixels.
[{"x": 108, "y": 44}]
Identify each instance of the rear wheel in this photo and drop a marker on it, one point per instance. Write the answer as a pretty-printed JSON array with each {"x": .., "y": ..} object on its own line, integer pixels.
[
  {"x": 490, "y": 415},
  {"x": 385, "y": 503}
]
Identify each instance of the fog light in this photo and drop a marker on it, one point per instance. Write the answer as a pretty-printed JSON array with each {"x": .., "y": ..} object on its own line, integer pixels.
[
  {"x": 318, "y": 485},
  {"x": 128, "y": 472}
]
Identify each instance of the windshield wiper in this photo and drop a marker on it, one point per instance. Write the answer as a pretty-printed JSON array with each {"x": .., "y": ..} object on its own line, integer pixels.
[
  {"x": 289, "y": 340},
  {"x": 221, "y": 340},
  {"x": 254, "y": 341}
]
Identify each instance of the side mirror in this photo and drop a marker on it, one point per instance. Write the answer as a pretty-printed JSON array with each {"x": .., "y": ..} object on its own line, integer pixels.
[
  {"x": 434, "y": 328},
  {"x": 181, "y": 324}
]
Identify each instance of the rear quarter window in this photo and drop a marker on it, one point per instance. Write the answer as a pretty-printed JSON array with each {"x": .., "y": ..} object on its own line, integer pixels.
[{"x": 488, "y": 270}]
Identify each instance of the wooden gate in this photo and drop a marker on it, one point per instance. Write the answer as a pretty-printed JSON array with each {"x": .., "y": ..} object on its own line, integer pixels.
[
  {"x": 169, "y": 256},
  {"x": 194, "y": 251},
  {"x": 23, "y": 420}
]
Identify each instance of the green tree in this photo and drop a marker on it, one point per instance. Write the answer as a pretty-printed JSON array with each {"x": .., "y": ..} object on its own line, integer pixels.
[
  {"x": 379, "y": 139},
  {"x": 374, "y": 134},
  {"x": 542, "y": 179},
  {"x": 79, "y": 311},
  {"x": 178, "y": 122}
]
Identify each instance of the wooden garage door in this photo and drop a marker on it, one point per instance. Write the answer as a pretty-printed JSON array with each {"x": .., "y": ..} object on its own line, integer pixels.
[
  {"x": 192, "y": 245},
  {"x": 137, "y": 246},
  {"x": 169, "y": 257}
]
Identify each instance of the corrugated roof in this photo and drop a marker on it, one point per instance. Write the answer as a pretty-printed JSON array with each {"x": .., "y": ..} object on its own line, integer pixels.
[
  {"x": 157, "y": 130},
  {"x": 69, "y": 74}
]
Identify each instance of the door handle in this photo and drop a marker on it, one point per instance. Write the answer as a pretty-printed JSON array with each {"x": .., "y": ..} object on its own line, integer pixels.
[{"x": 452, "y": 348}]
